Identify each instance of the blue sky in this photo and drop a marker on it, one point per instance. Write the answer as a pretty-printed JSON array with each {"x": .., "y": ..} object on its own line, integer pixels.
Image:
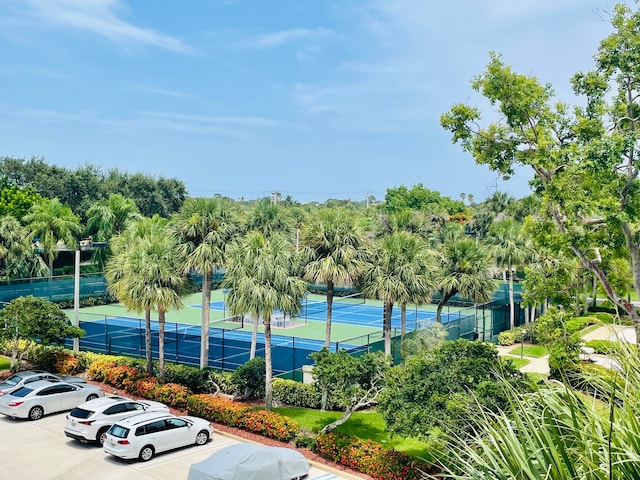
[{"x": 315, "y": 99}]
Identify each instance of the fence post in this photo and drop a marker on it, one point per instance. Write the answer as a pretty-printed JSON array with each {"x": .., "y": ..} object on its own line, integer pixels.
[{"x": 222, "y": 349}]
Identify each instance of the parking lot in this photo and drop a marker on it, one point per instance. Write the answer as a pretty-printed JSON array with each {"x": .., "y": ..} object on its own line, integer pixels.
[{"x": 40, "y": 451}]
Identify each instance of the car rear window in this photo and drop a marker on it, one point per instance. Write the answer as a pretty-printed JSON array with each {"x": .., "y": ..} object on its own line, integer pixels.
[
  {"x": 119, "y": 431},
  {"x": 21, "y": 392},
  {"x": 13, "y": 380},
  {"x": 81, "y": 413}
]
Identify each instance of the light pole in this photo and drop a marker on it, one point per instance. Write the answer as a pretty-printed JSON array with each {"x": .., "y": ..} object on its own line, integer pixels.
[
  {"x": 85, "y": 244},
  {"x": 524, "y": 332}
]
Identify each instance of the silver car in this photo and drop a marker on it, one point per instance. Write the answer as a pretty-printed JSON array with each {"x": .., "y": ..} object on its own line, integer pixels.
[
  {"x": 39, "y": 398},
  {"x": 29, "y": 376},
  {"x": 89, "y": 421}
]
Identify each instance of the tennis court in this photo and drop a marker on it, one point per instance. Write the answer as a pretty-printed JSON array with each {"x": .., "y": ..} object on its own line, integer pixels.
[{"x": 356, "y": 327}]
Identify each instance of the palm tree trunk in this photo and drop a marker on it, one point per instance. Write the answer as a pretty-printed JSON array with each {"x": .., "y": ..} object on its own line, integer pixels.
[
  {"x": 446, "y": 296},
  {"x": 254, "y": 335},
  {"x": 403, "y": 322},
  {"x": 206, "y": 315},
  {"x": 161, "y": 321},
  {"x": 268, "y": 385},
  {"x": 327, "y": 332},
  {"x": 147, "y": 342},
  {"x": 386, "y": 327}
]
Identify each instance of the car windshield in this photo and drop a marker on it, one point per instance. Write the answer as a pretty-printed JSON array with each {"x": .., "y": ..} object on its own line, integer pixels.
[
  {"x": 13, "y": 380},
  {"x": 80, "y": 413},
  {"x": 118, "y": 431},
  {"x": 21, "y": 392}
]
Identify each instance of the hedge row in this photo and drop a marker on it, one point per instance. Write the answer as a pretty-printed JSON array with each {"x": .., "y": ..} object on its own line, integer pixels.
[{"x": 369, "y": 457}]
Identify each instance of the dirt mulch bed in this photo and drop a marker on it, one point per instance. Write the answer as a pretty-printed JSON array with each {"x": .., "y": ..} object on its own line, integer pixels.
[{"x": 248, "y": 436}]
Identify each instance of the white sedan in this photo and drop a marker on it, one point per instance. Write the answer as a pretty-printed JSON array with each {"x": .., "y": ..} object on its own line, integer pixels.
[{"x": 42, "y": 397}]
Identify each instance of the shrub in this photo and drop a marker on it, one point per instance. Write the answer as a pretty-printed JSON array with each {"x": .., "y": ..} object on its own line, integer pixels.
[
  {"x": 217, "y": 409},
  {"x": 564, "y": 357},
  {"x": 508, "y": 337},
  {"x": 172, "y": 394},
  {"x": 249, "y": 379},
  {"x": 240, "y": 415},
  {"x": 305, "y": 440},
  {"x": 578, "y": 323},
  {"x": 118, "y": 374},
  {"x": 295, "y": 393},
  {"x": 142, "y": 387},
  {"x": 369, "y": 457},
  {"x": 270, "y": 424},
  {"x": 99, "y": 369}
]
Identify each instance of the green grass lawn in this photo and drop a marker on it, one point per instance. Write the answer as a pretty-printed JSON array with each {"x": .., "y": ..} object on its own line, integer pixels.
[
  {"x": 517, "y": 361},
  {"x": 366, "y": 425},
  {"x": 535, "y": 351},
  {"x": 5, "y": 363}
]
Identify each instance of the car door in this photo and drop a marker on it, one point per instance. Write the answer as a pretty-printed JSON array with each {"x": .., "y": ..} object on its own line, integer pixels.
[
  {"x": 181, "y": 433},
  {"x": 156, "y": 434},
  {"x": 49, "y": 398},
  {"x": 70, "y": 396}
]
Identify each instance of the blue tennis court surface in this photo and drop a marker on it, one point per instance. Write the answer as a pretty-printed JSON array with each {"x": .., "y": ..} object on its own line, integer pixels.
[{"x": 363, "y": 315}]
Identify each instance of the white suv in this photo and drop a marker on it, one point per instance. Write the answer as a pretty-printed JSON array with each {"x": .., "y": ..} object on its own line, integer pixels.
[
  {"x": 89, "y": 421},
  {"x": 144, "y": 435}
]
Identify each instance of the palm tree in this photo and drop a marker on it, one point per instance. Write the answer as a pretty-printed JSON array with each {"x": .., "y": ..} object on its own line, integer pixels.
[
  {"x": 203, "y": 227},
  {"x": 260, "y": 281},
  {"x": 145, "y": 274},
  {"x": 465, "y": 270},
  {"x": 401, "y": 269},
  {"x": 268, "y": 217},
  {"x": 333, "y": 245},
  {"x": 108, "y": 218},
  {"x": 511, "y": 250},
  {"x": 52, "y": 222}
]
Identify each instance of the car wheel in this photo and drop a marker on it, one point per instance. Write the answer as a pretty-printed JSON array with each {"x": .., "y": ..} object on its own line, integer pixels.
[
  {"x": 146, "y": 453},
  {"x": 36, "y": 413},
  {"x": 202, "y": 437},
  {"x": 102, "y": 435},
  {"x": 92, "y": 396}
]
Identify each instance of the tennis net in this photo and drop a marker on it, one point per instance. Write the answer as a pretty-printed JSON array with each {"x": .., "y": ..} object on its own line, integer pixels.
[{"x": 312, "y": 307}]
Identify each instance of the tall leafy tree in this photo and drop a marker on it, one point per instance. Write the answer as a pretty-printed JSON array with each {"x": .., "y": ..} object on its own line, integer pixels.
[
  {"x": 333, "y": 244},
  {"x": 511, "y": 250},
  {"x": 263, "y": 280},
  {"x": 203, "y": 227},
  {"x": 52, "y": 222},
  {"x": 108, "y": 218},
  {"x": 465, "y": 270},
  {"x": 27, "y": 320},
  {"x": 585, "y": 159},
  {"x": 267, "y": 217},
  {"x": 145, "y": 274},
  {"x": 401, "y": 270}
]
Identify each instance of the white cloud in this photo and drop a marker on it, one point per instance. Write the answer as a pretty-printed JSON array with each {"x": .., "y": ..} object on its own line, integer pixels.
[
  {"x": 100, "y": 17},
  {"x": 278, "y": 39},
  {"x": 161, "y": 91},
  {"x": 152, "y": 121}
]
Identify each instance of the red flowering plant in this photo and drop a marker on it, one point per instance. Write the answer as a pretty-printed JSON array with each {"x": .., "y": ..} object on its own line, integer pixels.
[
  {"x": 370, "y": 457},
  {"x": 217, "y": 409},
  {"x": 270, "y": 424},
  {"x": 172, "y": 394}
]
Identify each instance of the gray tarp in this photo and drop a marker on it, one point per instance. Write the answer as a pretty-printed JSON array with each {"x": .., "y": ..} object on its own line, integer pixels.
[{"x": 248, "y": 461}]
